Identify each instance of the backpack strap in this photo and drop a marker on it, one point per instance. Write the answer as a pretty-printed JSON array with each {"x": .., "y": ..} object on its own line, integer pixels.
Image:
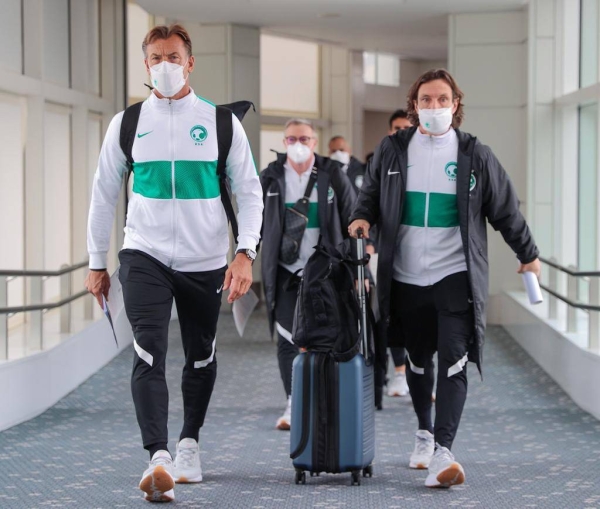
[
  {"x": 129, "y": 123},
  {"x": 224, "y": 139}
]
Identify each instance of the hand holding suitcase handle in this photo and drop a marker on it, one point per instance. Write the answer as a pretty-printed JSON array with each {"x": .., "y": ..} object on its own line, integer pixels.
[{"x": 359, "y": 224}]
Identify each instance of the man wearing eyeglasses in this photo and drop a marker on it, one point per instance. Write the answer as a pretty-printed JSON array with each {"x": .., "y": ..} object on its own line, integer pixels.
[{"x": 331, "y": 198}]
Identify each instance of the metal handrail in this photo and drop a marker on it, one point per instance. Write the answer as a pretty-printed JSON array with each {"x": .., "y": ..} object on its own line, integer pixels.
[
  {"x": 578, "y": 305},
  {"x": 566, "y": 270},
  {"x": 44, "y": 273},
  {"x": 574, "y": 279},
  {"x": 43, "y": 307},
  {"x": 35, "y": 336}
]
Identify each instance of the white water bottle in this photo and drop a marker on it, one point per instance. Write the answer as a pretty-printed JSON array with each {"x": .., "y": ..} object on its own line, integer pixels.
[{"x": 532, "y": 286}]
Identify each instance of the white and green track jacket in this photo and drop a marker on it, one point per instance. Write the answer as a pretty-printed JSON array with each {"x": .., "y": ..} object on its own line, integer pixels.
[
  {"x": 429, "y": 245},
  {"x": 175, "y": 213}
]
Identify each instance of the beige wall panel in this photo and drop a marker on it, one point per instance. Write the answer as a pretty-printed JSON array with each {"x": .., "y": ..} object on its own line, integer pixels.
[
  {"x": 493, "y": 28},
  {"x": 493, "y": 75},
  {"x": 210, "y": 78}
]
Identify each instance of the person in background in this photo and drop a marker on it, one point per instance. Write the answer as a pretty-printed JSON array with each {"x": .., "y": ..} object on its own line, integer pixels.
[
  {"x": 398, "y": 385},
  {"x": 399, "y": 121},
  {"x": 331, "y": 199},
  {"x": 340, "y": 151}
]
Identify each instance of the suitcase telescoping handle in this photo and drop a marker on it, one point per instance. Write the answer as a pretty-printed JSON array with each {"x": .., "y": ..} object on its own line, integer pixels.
[{"x": 362, "y": 298}]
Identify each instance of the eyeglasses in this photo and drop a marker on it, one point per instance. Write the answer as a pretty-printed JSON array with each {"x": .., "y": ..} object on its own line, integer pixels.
[{"x": 290, "y": 140}]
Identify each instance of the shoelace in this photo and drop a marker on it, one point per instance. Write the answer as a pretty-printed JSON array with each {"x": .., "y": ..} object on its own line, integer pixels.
[
  {"x": 161, "y": 460},
  {"x": 186, "y": 457},
  {"x": 442, "y": 455},
  {"x": 422, "y": 445}
]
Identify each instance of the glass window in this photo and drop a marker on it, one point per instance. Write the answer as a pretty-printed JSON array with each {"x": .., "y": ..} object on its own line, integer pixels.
[
  {"x": 57, "y": 193},
  {"x": 12, "y": 220},
  {"x": 588, "y": 184},
  {"x": 370, "y": 68},
  {"x": 388, "y": 70},
  {"x": 381, "y": 69},
  {"x": 588, "y": 70},
  {"x": 289, "y": 77}
]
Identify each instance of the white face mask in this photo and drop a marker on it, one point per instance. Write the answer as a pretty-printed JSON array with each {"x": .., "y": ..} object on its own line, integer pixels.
[
  {"x": 436, "y": 121},
  {"x": 340, "y": 156},
  {"x": 298, "y": 152},
  {"x": 167, "y": 78}
]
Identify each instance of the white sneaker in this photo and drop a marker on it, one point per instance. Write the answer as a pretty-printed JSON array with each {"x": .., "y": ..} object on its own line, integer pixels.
[
  {"x": 187, "y": 462},
  {"x": 398, "y": 385},
  {"x": 285, "y": 421},
  {"x": 157, "y": 481},
  {"x": 424, "y": 446},
  {"x": 444, "y": 470}
]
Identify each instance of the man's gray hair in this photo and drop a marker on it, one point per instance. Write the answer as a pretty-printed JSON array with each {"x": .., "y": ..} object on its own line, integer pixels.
[{"x": 299, "y": 121}]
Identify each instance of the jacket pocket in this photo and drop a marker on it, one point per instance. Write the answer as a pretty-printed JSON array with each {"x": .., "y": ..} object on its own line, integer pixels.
[{"x": 479, "y": 250}]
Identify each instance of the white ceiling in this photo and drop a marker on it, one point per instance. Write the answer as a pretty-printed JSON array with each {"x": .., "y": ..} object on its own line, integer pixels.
[{"x": 411, "y": 28}]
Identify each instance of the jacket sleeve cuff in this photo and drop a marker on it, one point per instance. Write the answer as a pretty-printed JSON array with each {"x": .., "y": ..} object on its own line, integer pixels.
[
  {"x": 98, "y": 260},
  {"x": 246, "y": 242}
]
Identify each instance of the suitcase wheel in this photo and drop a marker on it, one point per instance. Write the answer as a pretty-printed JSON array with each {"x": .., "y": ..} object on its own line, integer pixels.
[
  {"x": 301, "y": 477},
  {"x": 355, "y": 478},
  {"x": 368, "y": 471}
]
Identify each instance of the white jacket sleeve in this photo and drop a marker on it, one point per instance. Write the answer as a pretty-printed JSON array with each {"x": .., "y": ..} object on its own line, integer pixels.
[
  {"x": 112, "y": 165},
  {"x": 246, "y": 187}
]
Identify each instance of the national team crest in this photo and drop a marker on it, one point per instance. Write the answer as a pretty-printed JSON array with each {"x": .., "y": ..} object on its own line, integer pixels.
[
  {"x": 472, "y": 182},
  {"x": 451, "y": 169},
  {"x": 199, "y": 134}
]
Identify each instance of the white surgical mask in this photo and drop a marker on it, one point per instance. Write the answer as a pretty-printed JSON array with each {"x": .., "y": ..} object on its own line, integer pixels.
[
  {"x": 167, "y": 78},
  {"x": 436, "y": 121},
  {"x": 298, "y": 153},
  {"x": 340, "y": 156}
]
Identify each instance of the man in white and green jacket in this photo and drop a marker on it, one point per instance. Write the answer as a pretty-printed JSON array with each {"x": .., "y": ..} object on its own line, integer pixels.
[{"x": 176, "y": 243}]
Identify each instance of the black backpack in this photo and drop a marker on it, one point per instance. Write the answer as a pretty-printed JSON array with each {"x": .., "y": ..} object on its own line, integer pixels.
[
  {"x": 224, "y": 137},
  {"x": 327, "y": 310}
]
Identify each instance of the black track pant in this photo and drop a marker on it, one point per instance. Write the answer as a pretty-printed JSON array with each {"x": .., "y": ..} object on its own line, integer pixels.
[
  {"x": 285, "y": 304},
  {"x": 398, "y": 356},
  {"x": 149, "y": 288},
  {"x": 436, "y": 318}
]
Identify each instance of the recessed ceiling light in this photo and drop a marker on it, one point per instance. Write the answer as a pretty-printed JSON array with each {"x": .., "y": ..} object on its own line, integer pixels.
[{"x": 329, "y": 15}]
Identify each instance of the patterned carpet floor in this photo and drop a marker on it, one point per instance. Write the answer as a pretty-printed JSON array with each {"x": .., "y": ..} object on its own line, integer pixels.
[{"x": 522, "y": 441}]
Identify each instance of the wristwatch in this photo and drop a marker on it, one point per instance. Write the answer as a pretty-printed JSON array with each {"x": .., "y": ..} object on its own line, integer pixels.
[{"x": 249, "y": 253}]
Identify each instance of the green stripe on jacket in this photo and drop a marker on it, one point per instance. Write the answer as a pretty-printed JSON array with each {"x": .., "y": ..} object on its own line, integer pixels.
[
  {"x": 443, "y": 211},
  {"x": 194, "y": 180}
]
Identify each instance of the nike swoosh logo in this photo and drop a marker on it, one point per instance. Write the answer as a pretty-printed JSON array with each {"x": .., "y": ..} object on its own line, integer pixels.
[
  {"x": 143, "y": 134},
  {"x": 409, "y": 165},
  {"x": 269, "y": 193},
  {"x": 220, "y": 289},
  {"x": 390, "y": 172}
]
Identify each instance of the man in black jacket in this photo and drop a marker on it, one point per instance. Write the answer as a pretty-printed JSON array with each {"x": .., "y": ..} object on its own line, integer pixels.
[
  {"x": 430, "y": 190},
  {"x": 331, "y": 198},
  {"x": 355, "y": 170}
]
